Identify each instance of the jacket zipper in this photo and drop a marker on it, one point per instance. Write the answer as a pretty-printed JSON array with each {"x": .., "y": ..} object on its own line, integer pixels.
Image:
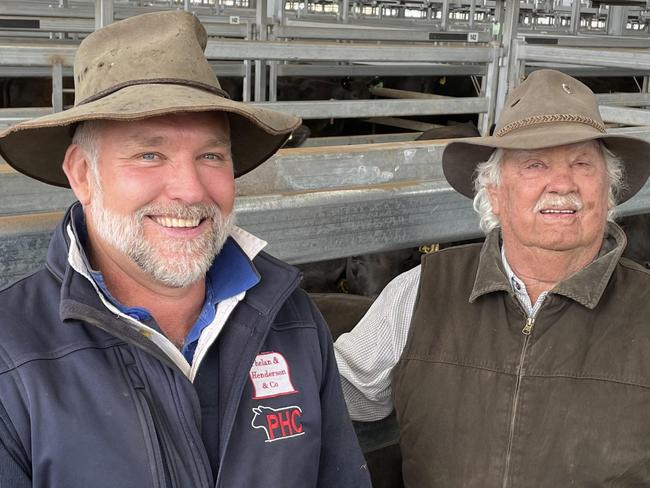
[
  {"x": 146, "y": 422},
  {"x": 527, "y": 330},
  {"x": 163, "y": 436}
]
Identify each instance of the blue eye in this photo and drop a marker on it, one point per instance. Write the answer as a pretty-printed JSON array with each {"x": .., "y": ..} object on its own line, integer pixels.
[{"x": 148, "y": 156}]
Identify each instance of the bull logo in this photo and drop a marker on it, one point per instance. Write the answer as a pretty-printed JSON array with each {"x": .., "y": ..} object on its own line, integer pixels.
[{"x": 277, "y": 424}]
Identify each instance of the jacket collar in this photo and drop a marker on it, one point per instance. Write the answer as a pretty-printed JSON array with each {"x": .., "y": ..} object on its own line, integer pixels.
[
  {"x": 81, "y": 301},
  {"x": 585, "y": 287}
]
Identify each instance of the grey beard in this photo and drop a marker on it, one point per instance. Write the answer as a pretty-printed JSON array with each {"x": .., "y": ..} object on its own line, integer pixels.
[{"x": 191, "y": 258}]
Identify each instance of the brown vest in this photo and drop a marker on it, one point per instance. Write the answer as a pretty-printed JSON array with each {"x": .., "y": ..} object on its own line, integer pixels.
[{"x": 481, "y": 404}]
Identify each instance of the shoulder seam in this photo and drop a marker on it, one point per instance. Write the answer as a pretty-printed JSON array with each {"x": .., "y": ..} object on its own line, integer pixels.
[
  {"x": 54, "y": 357},
  {"x": 628, "y": 263}
]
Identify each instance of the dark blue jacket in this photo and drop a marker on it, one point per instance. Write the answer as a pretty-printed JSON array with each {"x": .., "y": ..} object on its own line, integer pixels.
[{"x": 86, "y": 401}]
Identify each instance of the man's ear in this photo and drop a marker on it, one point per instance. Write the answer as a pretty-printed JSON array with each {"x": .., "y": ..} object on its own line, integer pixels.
[
  {"x": 493, "y": 195},
  {"x": 76, "y": 166}
]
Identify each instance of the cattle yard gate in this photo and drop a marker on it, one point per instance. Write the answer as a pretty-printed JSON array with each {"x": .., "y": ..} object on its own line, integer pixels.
[{"x": 352, "y": 194}]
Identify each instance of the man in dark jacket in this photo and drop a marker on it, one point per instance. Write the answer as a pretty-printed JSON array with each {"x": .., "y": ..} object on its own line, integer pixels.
[
  {"x": 159, "y": 345},
  {"x": 522, "y": 361}
]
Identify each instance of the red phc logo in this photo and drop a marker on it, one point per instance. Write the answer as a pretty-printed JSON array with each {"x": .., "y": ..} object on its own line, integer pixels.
[{"x": 278, "y": 424}]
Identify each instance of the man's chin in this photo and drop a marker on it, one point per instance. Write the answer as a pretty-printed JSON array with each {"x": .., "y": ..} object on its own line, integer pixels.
[{"x": 176, "y": 271}]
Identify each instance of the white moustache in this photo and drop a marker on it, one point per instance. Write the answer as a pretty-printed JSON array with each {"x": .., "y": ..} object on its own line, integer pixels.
[{"x": 553, "y": 201}]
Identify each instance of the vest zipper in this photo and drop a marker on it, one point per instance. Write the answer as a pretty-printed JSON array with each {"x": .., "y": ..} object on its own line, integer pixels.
[
  {"x": 527, "y": 329},
  {"x": 530, "y": 322}
]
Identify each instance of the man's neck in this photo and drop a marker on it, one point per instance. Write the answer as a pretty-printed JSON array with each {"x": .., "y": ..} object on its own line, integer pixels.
[
  {"x": 542, "y": 269},
  {"x": 174, "y": 309}
]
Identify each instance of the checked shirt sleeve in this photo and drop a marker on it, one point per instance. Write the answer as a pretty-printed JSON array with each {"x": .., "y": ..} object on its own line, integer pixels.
[{"x": 367, "y": 354}]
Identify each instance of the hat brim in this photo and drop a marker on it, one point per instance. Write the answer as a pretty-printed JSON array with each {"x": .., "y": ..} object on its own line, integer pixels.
[
  {"x": 460, "y": 158},
  {"x": 37, "y": 147}
]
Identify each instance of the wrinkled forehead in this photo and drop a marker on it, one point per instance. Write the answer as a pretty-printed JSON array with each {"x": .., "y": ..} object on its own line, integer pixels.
[
  {"x": 207, "y": 121},
  {"x": 588, "y": 148},
  {"x": 206, "y": 128}
]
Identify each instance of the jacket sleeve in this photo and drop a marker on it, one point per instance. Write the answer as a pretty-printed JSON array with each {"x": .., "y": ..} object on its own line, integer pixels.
[
  {"x": 14, "y": 468},
  {"x": 341, "y": 462}
]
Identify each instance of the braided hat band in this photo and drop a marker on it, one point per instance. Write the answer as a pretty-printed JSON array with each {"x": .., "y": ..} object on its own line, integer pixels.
[{"x": 548, "y": 119}]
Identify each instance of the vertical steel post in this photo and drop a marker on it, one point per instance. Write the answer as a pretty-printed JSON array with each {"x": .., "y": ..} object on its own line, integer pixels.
[
  {"x": 444, "y": 19},
  {"x": 57, "y": 86},
  {"x": 273, "y": 81},
  {"x": 616, "y": 20},
  {"x": 575, "y": 17},
  {"x": 345, "y": 11},
  {"x": 248, "y": 71},
  {"x": 489, "y": 90},
  {"x": 62, "y": 4},
  {"x": 260, "y": 64},
  {"x": 104, "y": 13},
  {"x": 509, "y": 35},
  {"x": 472, "y": 12}
]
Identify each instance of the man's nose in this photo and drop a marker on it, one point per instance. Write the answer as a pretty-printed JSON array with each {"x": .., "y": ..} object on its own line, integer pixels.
[
  {"x": 184, "y": 181},
  {"x": 562, "y": 180}
]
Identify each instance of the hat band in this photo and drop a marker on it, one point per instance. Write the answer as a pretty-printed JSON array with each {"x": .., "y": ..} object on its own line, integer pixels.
[
  {"x": 545, "y": 119},
  {"x": 157, "y": 81}
]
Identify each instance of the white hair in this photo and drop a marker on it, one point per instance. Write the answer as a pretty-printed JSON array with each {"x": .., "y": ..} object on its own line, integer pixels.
[
  {"x": 488, "y": 173},
  {"x": 86, "y": 135}
]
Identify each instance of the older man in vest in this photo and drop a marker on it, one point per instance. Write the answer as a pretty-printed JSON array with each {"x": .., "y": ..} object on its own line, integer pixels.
[
  {"x": 523, "y": 361},
  {"x": 159, "y": 346}
]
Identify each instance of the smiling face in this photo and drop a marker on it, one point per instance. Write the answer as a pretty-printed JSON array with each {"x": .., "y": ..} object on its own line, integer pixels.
[
  {"x": 553, "y": 199},
  {"x": 161, "y": 196}
]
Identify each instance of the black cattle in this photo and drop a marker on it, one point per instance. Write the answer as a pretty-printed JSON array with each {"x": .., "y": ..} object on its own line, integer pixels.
[{"x": 637, "y": 229}]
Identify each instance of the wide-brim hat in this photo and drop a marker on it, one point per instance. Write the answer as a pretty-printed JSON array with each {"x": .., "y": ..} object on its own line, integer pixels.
[
  {"x": 547, "y": 109},
  {"x": 144, "y": 66}
]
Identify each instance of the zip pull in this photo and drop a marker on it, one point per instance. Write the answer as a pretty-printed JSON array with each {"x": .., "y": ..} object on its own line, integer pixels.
[{"x": 529, "y": 326}]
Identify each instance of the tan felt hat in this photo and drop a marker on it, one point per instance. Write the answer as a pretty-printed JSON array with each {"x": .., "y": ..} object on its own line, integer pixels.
[
  {"x": 547, "y": 109},
  {"x": 143, "y": 66}
]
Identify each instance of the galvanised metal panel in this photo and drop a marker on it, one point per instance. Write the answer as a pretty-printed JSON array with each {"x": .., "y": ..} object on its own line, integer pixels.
[
  {"x": 324, "y": 109},
  {"x": 44, "y": 54},
  {"x": 624, "y": 115},
  {"x": 624, "y": 99},
  {"x": 36, "y": 54},
  {"x": 20, "y": 194},
  {"x": 331, "y": 51},
  {"x": 23, "y": 244},
  {"x": 635, "y": 59}
]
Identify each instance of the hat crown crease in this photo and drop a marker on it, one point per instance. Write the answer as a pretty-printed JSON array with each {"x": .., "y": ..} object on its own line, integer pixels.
[
  {"x": 544, "y": 97},
  {"x": 128, "y": 53}
]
